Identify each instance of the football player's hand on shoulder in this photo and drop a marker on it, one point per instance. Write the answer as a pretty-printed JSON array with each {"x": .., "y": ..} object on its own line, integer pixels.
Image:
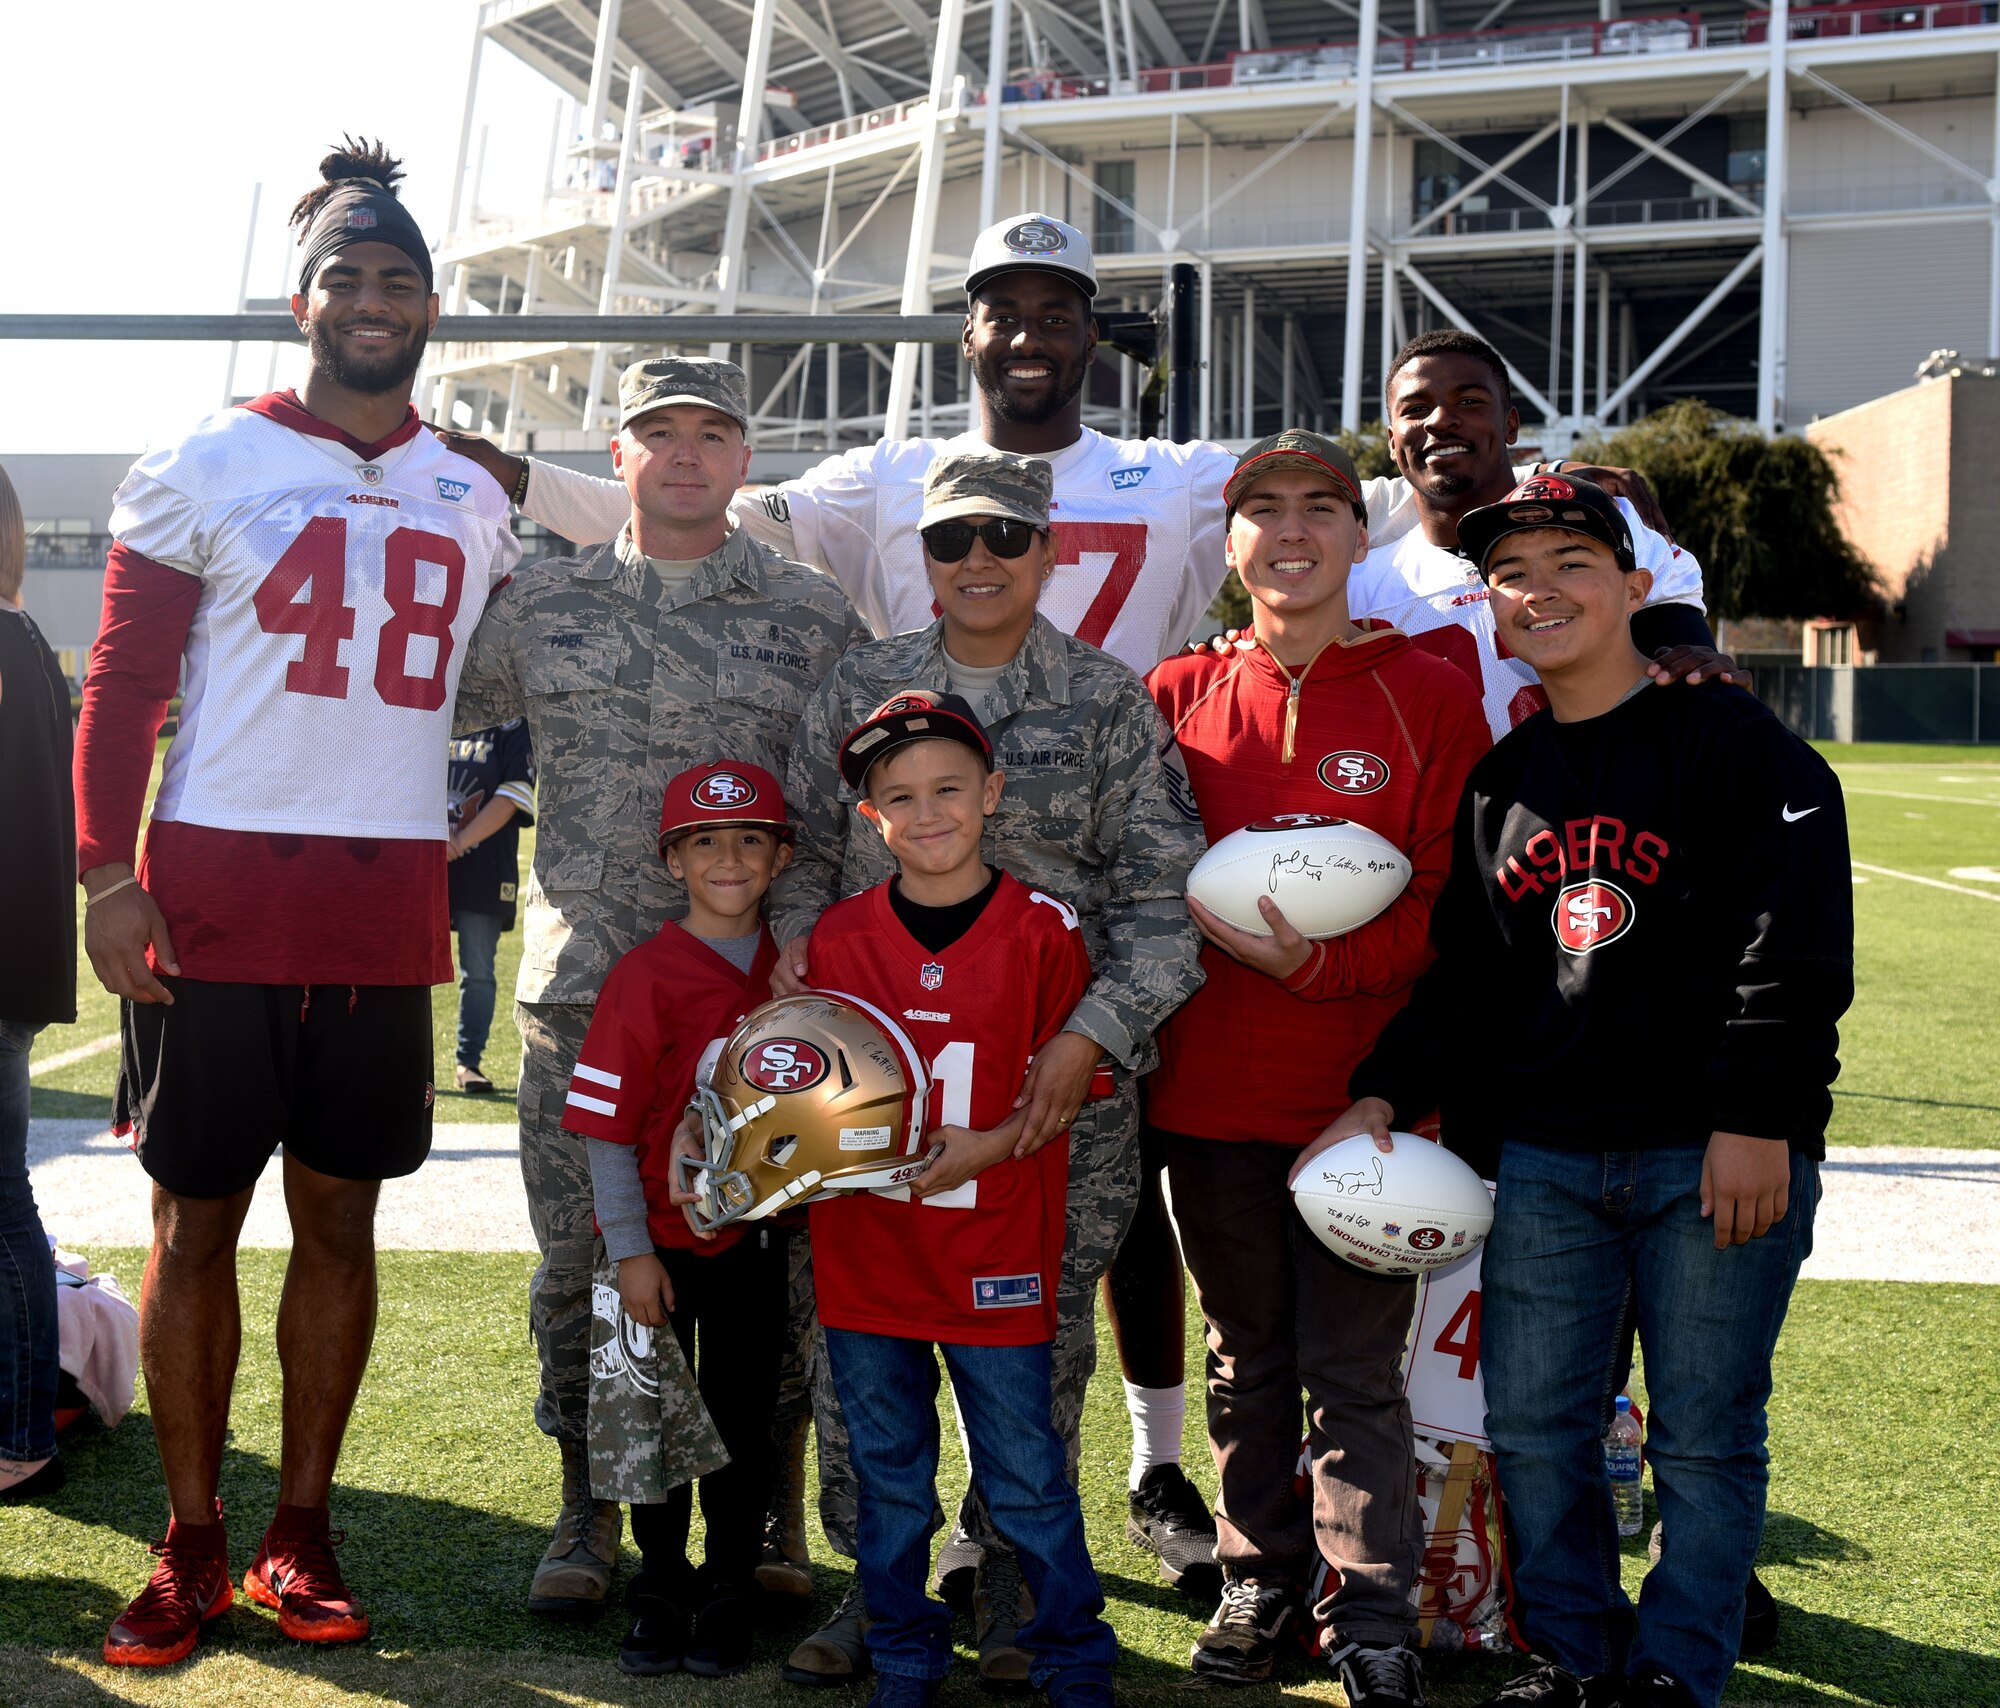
[
  {"x": 959, "y": 1153},
  {"x": 1223, "y": 645},
  {"x": 1279, "y": 955},
  {"x": 1628, "y": 484},
  {"x": 788, "y": 977},
  {"x": 1692, "y": 664},
  {"x": 644, "y": 1290},
  {"x": 117, "y": 931},
  {"x": 1371, "y": 1116},
  {"x": 1746, "y": 1186},
  {"x": 502, "y": 466}
]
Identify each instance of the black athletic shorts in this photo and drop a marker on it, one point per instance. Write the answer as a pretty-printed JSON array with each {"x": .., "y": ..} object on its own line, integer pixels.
[{"x": 340, "y": 1075}]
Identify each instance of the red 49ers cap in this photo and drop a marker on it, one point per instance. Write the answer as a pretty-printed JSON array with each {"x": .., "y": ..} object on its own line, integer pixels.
[
  {"x": 1547, "y": 501},
  {"x": 727, "y": 792},
  {"x": 917, "y": 714}
]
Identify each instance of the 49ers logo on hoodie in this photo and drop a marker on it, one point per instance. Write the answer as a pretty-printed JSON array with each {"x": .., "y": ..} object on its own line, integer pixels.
[
  {"x": 1591, "y": 914},
  {"x": 1353, "y": 773}
]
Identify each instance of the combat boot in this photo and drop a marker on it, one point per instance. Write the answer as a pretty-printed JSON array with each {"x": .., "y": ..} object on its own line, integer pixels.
[
  {"x": 575, "y": 1574},
  {"x": 785, "y": 1569}
]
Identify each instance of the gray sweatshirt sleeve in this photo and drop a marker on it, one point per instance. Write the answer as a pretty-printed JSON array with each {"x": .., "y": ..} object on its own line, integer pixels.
[{"x": 619, "y": 1197}]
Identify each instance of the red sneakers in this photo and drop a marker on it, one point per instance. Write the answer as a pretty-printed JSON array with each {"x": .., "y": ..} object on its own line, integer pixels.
[
  {"x": 190, "y": 1587},
  {"x": 296, "y": 1573}
]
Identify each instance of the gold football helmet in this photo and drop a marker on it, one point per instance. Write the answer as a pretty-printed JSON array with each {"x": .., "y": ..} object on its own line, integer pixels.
[{"x": 814, "y": 1093}]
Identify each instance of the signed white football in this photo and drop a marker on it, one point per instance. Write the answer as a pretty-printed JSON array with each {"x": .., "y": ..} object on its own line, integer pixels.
[
  {"x": 1398, "y": 1212},
  {"x": 1327, "y": 875}
]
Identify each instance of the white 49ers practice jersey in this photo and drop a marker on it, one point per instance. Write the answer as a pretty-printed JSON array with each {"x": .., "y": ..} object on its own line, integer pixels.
[
  {"x": 1437, "y": 598},
  {"x": 338, "y": 595}
]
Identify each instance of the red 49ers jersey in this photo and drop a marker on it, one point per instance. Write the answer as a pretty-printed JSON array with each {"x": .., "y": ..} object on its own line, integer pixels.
[
  {"x": 665, "y": 1012},
  {"x": 338, "y": 595},
  {"x": 1437, "y": 598},
  {"x": 976, "y": 1266}
]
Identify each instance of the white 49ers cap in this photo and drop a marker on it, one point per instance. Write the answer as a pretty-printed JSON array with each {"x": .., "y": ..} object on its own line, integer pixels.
[{"x": 1032, "y": 243}]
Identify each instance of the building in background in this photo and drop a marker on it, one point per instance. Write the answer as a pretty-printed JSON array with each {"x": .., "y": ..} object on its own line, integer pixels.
[
  {"x": 1588, "y": 190},
  {"x": 1920, "y": 502}
]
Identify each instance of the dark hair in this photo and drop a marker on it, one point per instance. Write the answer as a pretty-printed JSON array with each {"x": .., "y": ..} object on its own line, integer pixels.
[
  {"x": 13, "y": 539},
  {"x": 355, "y": 157},
  {"x": 1450, "y": 341}
]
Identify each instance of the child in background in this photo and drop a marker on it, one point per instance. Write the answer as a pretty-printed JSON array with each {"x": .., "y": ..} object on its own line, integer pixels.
[
  {"x": 982, "y": 971},
  {"x": 668, "y": 1004}
]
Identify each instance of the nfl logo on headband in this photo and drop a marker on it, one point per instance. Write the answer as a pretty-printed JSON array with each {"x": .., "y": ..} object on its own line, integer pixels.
[{"x": 360, "y": 219}]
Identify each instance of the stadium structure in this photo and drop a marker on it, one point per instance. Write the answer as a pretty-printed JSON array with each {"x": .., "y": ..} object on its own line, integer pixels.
[{"x": 1780, "y": 210}]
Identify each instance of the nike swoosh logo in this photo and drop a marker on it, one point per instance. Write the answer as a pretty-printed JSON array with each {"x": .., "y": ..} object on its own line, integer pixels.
[{"x": 1791, "y": 817}]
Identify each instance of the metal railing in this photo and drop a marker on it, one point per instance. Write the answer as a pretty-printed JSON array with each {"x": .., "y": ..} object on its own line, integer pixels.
[{"x": 861, "y": 124}]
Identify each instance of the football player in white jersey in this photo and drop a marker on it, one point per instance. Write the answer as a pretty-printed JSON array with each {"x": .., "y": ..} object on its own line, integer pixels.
[
  {"x": 1451, "y": 422},
  {"x": 306, "y": 570}
]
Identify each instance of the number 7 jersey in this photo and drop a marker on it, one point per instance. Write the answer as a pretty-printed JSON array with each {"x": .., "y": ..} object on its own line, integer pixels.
[{"x": 339, "y": 591}]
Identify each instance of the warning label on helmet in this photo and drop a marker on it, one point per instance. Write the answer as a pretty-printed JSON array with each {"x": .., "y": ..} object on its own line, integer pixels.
[{"x": 864, "y": 1138}]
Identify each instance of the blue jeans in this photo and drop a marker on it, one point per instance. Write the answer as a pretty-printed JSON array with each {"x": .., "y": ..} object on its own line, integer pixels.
[
  {"x": 888, "y": 1394},
  {"x": 478, "y": 943},
  {"x": 27, "y": 1276},
  {"x": 1578, "y": 1239}
]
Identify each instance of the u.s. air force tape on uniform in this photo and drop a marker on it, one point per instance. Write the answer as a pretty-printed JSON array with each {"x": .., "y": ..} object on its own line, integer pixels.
[{"x": 649, "y": 1431}]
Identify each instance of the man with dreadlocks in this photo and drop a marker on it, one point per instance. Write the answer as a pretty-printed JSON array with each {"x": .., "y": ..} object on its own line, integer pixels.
[{"x": 306, "y": 569}]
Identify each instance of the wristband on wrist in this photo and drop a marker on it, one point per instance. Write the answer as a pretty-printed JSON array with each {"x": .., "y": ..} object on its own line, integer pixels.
[
  {"x": 520, "y": 492},
  {"x": 110, "y": 890}
]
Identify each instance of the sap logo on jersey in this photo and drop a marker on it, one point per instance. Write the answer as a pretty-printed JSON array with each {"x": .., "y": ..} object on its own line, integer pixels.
[
  {"x": 452, "y": 491},
  {"x": 1122, "y": 480},
  {"x": 785, "y": 1064},
  {"x": 1353, "y": 773},
  {"x": 1589, "y": 915}
]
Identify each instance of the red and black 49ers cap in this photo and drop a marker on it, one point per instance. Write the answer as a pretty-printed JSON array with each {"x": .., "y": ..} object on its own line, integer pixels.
[
  {"x": 917, "y": 714},
  {"x": 729, "y": 792},
  {"x": 1547, "y": 501}
]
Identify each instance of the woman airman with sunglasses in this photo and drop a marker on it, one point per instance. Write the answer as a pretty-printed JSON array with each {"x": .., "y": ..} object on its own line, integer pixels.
[{"x": 1086, "y": 817}]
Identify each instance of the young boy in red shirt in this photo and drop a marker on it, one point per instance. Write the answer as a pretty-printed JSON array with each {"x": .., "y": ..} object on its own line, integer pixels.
[
  {"x": 1311, "y": 716},
  {"x": 666, "y": 1008},
  {"x": 981, "y": 971}
]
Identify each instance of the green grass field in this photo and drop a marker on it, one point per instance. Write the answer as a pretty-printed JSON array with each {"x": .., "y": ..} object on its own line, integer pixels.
[
  {"x": 1875, "y": 1544},
  {"x": 1880, "y": 1508}
]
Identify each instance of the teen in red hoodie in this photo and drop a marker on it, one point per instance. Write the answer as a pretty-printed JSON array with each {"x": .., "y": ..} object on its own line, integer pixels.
[{"x": 1311, "y": 716}]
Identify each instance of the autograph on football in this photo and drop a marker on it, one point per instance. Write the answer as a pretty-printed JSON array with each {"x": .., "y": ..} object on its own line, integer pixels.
[{"x": 1353, "y": 1182}]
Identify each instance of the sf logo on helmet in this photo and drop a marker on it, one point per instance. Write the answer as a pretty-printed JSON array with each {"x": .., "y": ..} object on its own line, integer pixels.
[
  {"x": 1296, "y": 821},
  {"x": 1353, "y": 773},
  {"x": 785, "y": 1064},
  {"x": 1035, "y": 237},
  {"x": 1550, "y": 487},
  {"x": 724, "y": 789},
  {"x": 1591, "y": 914}
]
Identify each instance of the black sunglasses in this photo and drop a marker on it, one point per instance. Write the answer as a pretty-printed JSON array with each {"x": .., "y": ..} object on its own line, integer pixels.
[{"x": 1005, "y": 536}]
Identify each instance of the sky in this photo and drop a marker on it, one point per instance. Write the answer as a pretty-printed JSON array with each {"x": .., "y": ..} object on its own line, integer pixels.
[{"x": 131, "y": 136}]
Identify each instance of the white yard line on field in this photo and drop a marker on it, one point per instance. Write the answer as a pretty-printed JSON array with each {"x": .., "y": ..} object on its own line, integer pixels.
[
  {"x": 1933, "y": 883},
  {"x": 1847, "y": 788},
  {"x": 83, "y": 1052}
]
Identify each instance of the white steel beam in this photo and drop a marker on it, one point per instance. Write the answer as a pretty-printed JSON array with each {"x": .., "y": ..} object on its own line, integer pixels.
[
  {"x": 999, "y": 38},
  {"x": 865, "y": 82},
  {"x": 1392, "y": 107},
  {"x": 749, "y": 125},
  {"x": 465, "y": 131},
  {"x": 1060, "y": 28},
  {"x": 602, "y": 67},
  {"x": 1771, "y": 325},
  {"x": 1449, "y": 310},
  {"x": 614, "y": 250},
  {"x": 1659, "y": 151},
  {"x": 702, "y": 33},
  {"x": 1475, "y": 185},
  {"x": 923, "y": 218},
  {"x": 1211, "y": 203},
  {"x": 1361, "y": 182},
  {"x": 1205, "y": 426},
  {"x": 1993, "y": 257},
  {"x": 1674, "y": 339},
  {"x": 1580, "y": 301},
  {"x": 1923, "y": 145}
]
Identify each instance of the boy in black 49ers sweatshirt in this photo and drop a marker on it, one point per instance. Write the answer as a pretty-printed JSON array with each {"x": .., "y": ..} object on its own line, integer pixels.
[{"x": 1644, "y": 945}]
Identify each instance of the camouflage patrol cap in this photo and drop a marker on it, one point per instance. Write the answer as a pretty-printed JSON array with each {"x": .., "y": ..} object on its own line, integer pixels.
[
  {"x": 1294, "y": 448},
  {"x": 988, "y": 483},
  {"x": 661, "y": 380}
]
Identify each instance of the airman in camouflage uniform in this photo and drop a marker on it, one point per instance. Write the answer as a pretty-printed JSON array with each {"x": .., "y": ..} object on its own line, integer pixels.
[
  {"x": 628, "y": 670},
  {"x": 1085, "y": 816}
]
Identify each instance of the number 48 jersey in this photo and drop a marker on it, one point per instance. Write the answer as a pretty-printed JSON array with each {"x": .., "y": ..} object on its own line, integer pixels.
[{"x": 338, "y": 594}]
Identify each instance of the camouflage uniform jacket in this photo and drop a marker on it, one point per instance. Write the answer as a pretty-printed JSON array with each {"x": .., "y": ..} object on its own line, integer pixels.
[
  {"x": 625, "y": 678},
  {"x": 1085, "y": 815}
]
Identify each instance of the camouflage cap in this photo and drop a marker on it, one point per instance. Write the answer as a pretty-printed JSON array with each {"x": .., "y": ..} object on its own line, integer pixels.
[
  {"x": 662, "y": 380},
  {"x": 1294, "y": 448},
  {"x": 988, "y": 483}
]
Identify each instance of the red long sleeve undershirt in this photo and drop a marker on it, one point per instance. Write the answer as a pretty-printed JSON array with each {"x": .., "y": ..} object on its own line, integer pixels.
[{"x": 249, "y": 907}]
